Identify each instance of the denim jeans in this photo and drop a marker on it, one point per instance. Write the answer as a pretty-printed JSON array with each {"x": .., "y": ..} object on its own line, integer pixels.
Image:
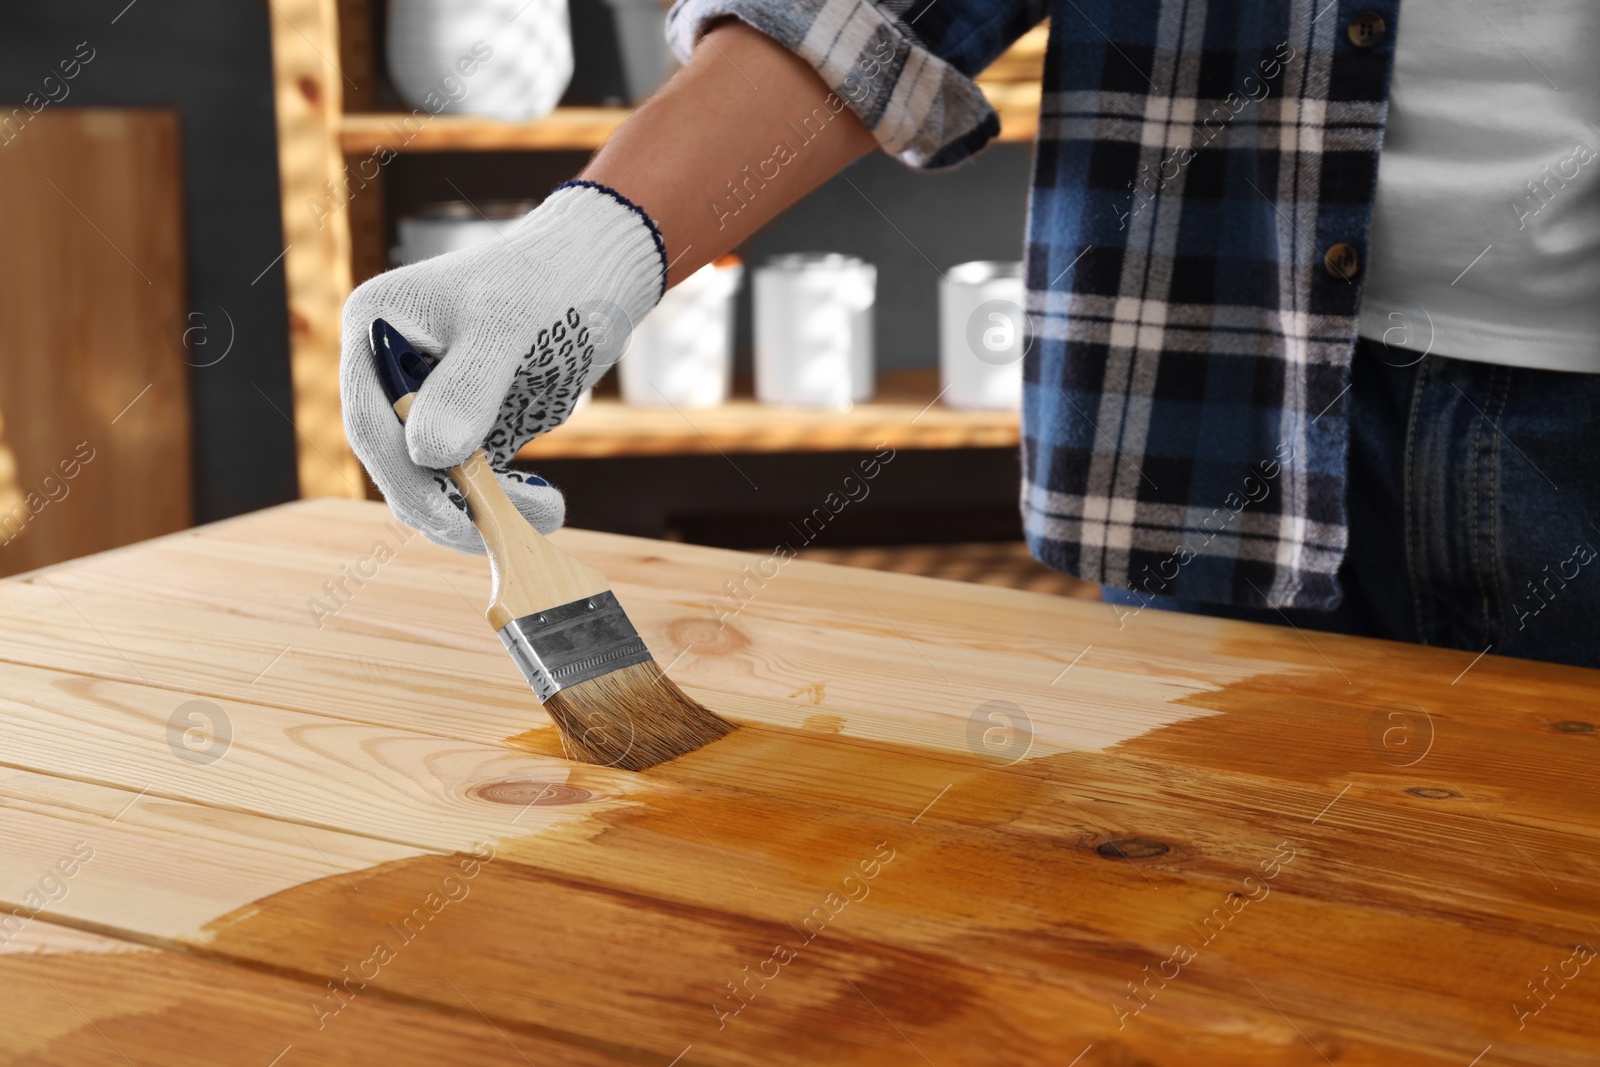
[{"x": 1473, "y": 499}]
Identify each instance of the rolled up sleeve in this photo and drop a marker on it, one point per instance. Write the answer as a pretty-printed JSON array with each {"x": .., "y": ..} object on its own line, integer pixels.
[{"x": 906, "y": 73}]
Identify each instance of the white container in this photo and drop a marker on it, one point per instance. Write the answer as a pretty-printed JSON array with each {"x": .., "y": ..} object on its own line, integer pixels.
[
  {"x": 813, "y": 330},
  {"x": 647, "y": 59},
  {"x": 983, "y": 334},
  {"x": 502, "y": 59},
  {"x": 451, "y": 226},
  {"x": 681, "y": 354}
]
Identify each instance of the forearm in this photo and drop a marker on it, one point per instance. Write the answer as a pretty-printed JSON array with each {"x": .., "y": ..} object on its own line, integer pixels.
[{"x": 741, "y": 132}]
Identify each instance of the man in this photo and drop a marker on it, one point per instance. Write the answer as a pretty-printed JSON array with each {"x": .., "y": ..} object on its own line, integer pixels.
[{"x": 1275, "y": 375}]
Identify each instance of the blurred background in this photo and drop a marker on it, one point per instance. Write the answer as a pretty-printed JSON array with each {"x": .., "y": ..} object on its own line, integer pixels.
[{"x": 191, "y": 190}]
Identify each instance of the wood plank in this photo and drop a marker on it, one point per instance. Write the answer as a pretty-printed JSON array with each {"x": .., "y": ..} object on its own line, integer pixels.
[
  {"x": 358, "y": 54},
  {"x": 109, "y": 856},
  {"x": 587, "y": 128},
  {"x": 806, "y": 625},
  {"x": 308, "y": 99},
  {"x": 94, "y": 392},
  {"x": 565, "y": 128},
  {"x": 411, "y": 789},
  {"x": 844, "y": 654},
  {"x": 771, "y": 834},
  {"x": 369, "y": 230},
  {"x": 1001, "y": 924},
  {"x": 95, "y": 1001},
  {"x": 903, "y": 414},
  {"x": 774, "y": 835}
]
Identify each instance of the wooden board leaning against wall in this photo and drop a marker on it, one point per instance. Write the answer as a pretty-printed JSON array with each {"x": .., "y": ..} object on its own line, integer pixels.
[{"x": 94, "y": 389}]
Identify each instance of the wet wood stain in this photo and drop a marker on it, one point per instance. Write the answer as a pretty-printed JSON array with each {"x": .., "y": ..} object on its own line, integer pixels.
[{"x": 1011, "y": 915}]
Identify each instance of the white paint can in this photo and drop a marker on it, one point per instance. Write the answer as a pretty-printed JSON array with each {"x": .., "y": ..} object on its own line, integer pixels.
[
  {"x": 455, "y": 225},
  {"x": 813, "y": 330},
  {"x": 681, "y": 353},
  {"x": 983, "y": 334}
]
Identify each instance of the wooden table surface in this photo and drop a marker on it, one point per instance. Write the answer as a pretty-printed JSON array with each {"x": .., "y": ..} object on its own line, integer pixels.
[{"x": 248, "y": 816}]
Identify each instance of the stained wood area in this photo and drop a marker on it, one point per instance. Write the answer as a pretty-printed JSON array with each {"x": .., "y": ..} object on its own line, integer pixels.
[
  {"x": 94, "y": 388},
  {"x": 272, "y": 789}
]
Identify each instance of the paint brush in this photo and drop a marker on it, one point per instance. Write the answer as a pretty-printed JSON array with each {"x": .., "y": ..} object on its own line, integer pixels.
[{"x": 559, "y": 619}]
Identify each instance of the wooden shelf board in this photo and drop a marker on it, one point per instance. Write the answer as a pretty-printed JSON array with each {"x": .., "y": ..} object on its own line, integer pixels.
[
  {"x": 585, "y": 128},
  {"x": 900, "y": 416},
  {"x": 566, "y": 127}
]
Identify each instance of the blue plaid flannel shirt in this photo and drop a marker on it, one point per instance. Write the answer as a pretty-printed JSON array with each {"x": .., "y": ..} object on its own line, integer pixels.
[{"x": 1184, "y": 430}]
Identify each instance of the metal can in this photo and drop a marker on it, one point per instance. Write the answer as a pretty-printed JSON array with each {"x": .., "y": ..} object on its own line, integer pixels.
[
  {"x": 453, "y": 225},
  {"x": 681, "y": 354},
  {"x": 983, "y": 334},
  {"x": 813, "y": 330}
]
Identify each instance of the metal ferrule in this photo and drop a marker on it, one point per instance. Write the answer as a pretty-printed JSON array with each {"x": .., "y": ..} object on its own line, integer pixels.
[{"x": 573, "y": 643}]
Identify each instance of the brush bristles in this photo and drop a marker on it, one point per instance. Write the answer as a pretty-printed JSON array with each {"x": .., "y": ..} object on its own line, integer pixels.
[{"x": 634, "y": 717}]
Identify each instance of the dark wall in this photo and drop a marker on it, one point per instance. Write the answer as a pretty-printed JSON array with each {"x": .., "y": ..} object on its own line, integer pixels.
[{"x": 212, "y": 62}]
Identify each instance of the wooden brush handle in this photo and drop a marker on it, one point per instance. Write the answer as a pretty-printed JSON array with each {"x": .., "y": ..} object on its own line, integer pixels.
[{"x": 528, "y": 574}]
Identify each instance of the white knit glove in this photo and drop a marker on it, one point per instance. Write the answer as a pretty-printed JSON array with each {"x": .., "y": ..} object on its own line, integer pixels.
[{"x": 521, "y": 325}]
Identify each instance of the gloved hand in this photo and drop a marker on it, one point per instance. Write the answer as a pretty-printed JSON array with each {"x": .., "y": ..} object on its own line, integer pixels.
[{"x": 521, "y": 325}]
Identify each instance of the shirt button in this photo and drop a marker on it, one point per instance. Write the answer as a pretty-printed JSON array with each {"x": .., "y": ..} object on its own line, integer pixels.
[
  {"x": 1341, "y": 261},
  {"x": 1366, "y": 29}
]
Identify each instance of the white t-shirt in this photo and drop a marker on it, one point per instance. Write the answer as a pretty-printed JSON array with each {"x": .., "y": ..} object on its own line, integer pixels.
[{"x": 1485, "y": 239}]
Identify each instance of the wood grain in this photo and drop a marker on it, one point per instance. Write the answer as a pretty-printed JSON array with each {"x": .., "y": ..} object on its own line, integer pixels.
[
  {"x": 314, "y": 188},
  {"x": 857, "y": 877},
  {"x": 85, "y": 999},
  {"x": 94, "y": 390},
  {"x": 777, "y": 648},
  {"x": 904, "y": 413}
]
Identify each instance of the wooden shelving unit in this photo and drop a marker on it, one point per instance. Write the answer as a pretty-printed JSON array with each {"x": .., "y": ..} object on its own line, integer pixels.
[{"x": 325, "y": 65}]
